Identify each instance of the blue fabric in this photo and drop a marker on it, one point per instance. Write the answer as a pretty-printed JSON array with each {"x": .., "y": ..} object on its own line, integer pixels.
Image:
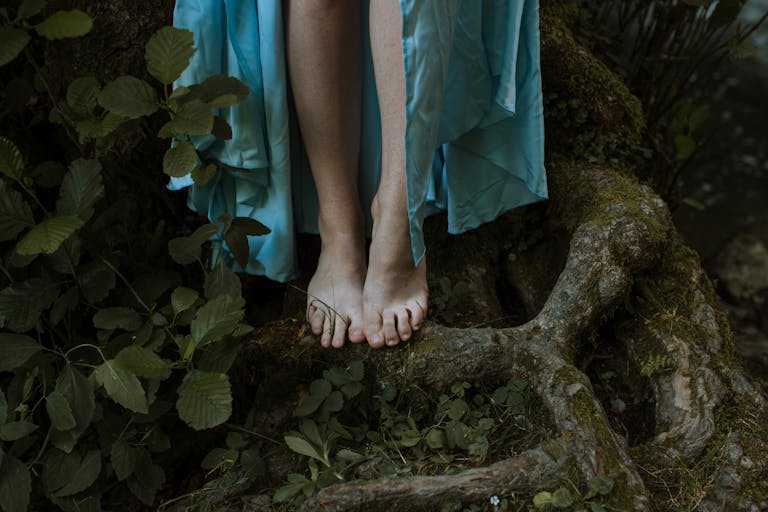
[{"x": 474, "y": 120}]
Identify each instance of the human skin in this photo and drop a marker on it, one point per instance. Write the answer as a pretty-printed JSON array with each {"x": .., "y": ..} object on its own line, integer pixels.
[{"x": 384, "y": 301}]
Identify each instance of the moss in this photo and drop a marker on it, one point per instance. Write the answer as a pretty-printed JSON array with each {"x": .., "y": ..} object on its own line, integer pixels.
[{"x": 590, "y": 112}]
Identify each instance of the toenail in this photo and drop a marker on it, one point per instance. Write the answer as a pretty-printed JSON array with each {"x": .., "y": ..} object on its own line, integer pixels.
[
  {"x": 391, "y": 343},
  {"x": 405, "y": 337},
  {"x": 376, "y": 339}
]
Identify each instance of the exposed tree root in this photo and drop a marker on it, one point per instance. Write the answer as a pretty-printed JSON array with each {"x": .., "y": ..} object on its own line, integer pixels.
[{"x": 623, "y": 245}]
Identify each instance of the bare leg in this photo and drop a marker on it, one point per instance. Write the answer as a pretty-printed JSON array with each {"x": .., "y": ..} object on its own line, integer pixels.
[
  {"x": 395, "y": 293},
  {"x": 323, "y": 52}
]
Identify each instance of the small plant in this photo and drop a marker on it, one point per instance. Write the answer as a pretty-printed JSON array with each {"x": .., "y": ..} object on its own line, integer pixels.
[
  {"x": 657, "y": 364},
  {"x": 565, "y": 498},
  {"x": 340, "y": 440}
]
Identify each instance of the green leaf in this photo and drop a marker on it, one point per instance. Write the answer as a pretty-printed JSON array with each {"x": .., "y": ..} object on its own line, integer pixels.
[
  {"x": 97, "y": 128},
  {"x": 236, "y": 237},
  {"x": 435, "y": 439},
  {"x": 59, "y": 468},
  {"x": 29, "y": 8},
  {"x": 122, "y": 386},
  {"x": 183, "y": 298},
  {"x": 15, "y": 350},
  {"x": 96, "y": 280},
  {"x": 202, "y": 174},
  {"x": 221, "y": 129},
  {"x": 220, "y": 356},
  {"x": 193, "y": 118},
  {"x": 64, "y": 24},
  {"x": 117, "y": 318},
  {"x": 81, "y": 188},
  {"x": 146, "y": 479},
  {"x": 187, "y": 249},
  {"x": 123, "y": 457},
  {"x": 218, "y": 457},
  {"x": 458, "y": 409},
  {"x": 601, "y": 485},
  {"x": 319, "y": 390},
  {"x": 16, "y": 430},
  {"x": 218, "y": 91},
  {"x": 685, "y": 145},
  {"x": 15, "y": 485},
  {"x": 334, "y": 402},
  {"x": 287, "y": 492},
  {"x": 205, "y": 399},
  {"x": 12, "y": 42},
  {"x": 180, "y": 160},
  {"x": 216, "y": 319},
  {"x": 542, "y": 499},
  {"x": 129, "y": 97},
  {"x": 15, "y": 213},
  {"x": 348, "y": 455},
  {"x": 83, "y": 95},
  {"x": 11, "y": 161},
  {"x": 250, "y": 226},
  {"x": 237, "y": 241},
  {"x": 303, "y": 447},
  {"x": 337, "y": 376},
  {"x": 59, "y": 411},
  {"x": 352, "y": 389},
  {"x": 357, "y": 370},
  {"x": 143, "y": 362},
  {"x": 47, "y": 236},
  {"x": 86, "y": 474},
  {"x": 562, "y": 498},
  {"x": 222, "y": 281},
  {"x": 79, "y": 393},
  {"x": 22, "y": 303},
  {"x": 168, "y": 53}
]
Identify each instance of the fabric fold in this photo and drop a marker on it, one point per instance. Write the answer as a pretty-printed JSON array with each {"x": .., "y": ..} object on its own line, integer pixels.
[{"x": 474, "y": 120}]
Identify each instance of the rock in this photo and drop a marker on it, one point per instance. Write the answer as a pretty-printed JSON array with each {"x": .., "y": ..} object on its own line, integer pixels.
[{"x": 742, "y": 267}]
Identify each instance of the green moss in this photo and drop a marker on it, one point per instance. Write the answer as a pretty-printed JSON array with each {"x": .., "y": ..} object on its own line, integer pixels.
[{"x": 590, "y": 112}]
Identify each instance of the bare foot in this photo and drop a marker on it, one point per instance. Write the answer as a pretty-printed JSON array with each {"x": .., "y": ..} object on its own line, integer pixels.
[
  {"x": 395, "y": 292},
  {"x": 335, "y": 293}
]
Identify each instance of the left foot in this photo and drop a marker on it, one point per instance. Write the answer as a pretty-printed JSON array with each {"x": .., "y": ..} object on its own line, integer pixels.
[{"x": 395, "y": 292}]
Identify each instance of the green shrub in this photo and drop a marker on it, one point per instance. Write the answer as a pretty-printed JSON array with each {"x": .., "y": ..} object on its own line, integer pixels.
[{"x": 104, "y": 340}]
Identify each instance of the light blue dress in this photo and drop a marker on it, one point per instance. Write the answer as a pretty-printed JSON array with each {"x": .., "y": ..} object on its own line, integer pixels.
[{"x": 474, "y": 121}]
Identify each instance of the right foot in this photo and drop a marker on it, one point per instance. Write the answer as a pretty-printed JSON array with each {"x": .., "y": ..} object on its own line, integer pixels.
[{"x": 335, "y": 293}]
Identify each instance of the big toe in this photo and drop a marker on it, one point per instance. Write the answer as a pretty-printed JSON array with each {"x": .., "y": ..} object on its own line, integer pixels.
[
  {"x": 316, "y": 320},
  {"x": 339, "y": 332},
  {"x": 357, "y": 328},
  {"x": 373, "y": 328}
]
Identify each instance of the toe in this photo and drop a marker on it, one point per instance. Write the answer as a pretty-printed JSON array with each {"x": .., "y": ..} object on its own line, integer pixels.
[
  {"x": 404, "y": 325},
  {"x": 373, "y": 329},
  {"x": 417, "y": 313},
  {"x": 325, "y": 338},
  {"x": 311, "y": 308},
  {"x": 316, "y": 320},
  {"x": 357, "y": 330},
  {"x": 339, "y": 332},
  {"x": 390, "y": 329}
]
